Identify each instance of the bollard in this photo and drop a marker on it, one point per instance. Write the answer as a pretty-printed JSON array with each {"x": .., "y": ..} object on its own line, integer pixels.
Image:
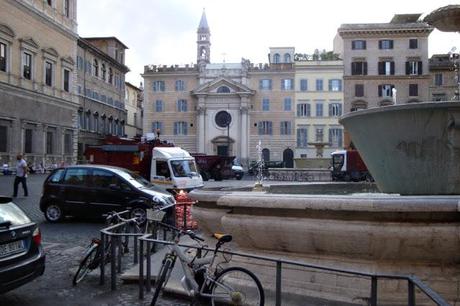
[
  {"x": 103, "y": 256},
  {"x": 120, "y": 252},
  {"x": 113, "y": 267},
  {"x": 149, "y": 268},
  {"x": 135, "y": 249},
  {"x": 278, "y": 283},
  {"x": 411, "y": 293},
  {"x": 373, "y": 291},
  {"x": 141, "y": 270}
]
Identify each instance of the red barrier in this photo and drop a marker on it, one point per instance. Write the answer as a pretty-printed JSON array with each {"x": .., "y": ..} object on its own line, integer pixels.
[{"x": 184, "y": 219}]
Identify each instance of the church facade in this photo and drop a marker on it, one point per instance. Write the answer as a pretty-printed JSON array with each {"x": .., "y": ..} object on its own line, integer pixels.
[{"x": 225, "y": 108}]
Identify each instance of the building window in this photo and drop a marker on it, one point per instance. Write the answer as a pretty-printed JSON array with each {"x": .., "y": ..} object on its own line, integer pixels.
[
  {"x": 438, "y": 79},
  {"x": 359, "y": 68},
  {"x": 335, "y": 138},
  {"x": 413, "y": 90},
  {"x": 49, "y": 142},
  {"x": 287, "y": 58},
  {"x": 181, "y": 105},
  {"x": 414, "y": 68},
  {"x": 319, "y": 135},
  {"x": 276, "y": 58},
  {"x": 96, "y": 123},
  {"x": 104, "y": 71},
  {"x": 96, "y": 68},
  {"x": 386, "y": 44},
  {"x": 180, "y": 85},
  {"x": 319, "y": 109},
  {"x": 302, "y": 137},
  {"x": 180, "y": 128},
  {"x": 28, "y": 144},
  {"x": 413, "y": 43},
  {"x": 287, "y": 107},
  {"x": 285, "y": 128},
  {"x": 159, "y": 106},
  {"x": 265, "y": 84},
  {"x": 386, "y": 68},
  {"x": 265, "y": 128},
  {"x": 358, "y": 45},
  {"x": 3, "y": 57},
  {"x": 335, "y": 109},
  {"x": 319, "y": 85},
  {"x": 303, "y": 110},
  {"x": 67, "y": 8},
  {"x": 27, "y": 65},
  {"x": 223, "y": 89},
  {"x": 303, "y": 85},
  {"x": 157, "y": 126},
  {"x": 335, "y": 85},
  {"x": 50, "y": 2},
  {"x": 68, "y": 143},
  {"x": 158, "y": 86},
  {"x": 265, "y": 104},
  {"x": 66, "y": 85},
  {"x": 287, "y": 84},
  {"x": 3, "y": 138},
  {"x": 110, "y": 75},
  {"x": 48, "y": 73},
  {"x": 386, "y": 90},
  {"x": 359, "y": 90}
]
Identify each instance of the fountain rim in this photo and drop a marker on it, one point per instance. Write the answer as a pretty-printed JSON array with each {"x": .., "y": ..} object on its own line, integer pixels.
[{"x": 399, "y": 107}]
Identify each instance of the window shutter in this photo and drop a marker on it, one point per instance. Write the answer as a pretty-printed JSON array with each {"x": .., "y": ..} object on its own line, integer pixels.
[
  {"x": 380, "y": 90},
  {"x": 407, "y": 68},
  {"x": 392, "y": 68},
  {"x": 380, "y": 44},
  {"x": 353, "y": 68},
  {"x": 175, "y": 128},
  {"x": 365, "y": 68},
  {"x": 330, "y": 110},
  {"x": 381, "y": 68},
  {"x": 420, "y": 68},
  {"x": 391, "y": 44},
  {"x": 330, "y": 137},
  {"x": 330, "y": 85},
  {"x": 364, "y": 44},
  {"x": 260, "y": 84}
]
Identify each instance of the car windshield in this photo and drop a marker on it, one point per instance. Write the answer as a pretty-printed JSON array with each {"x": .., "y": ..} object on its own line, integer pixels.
[
  {"x": 136, "y": 180},
  {"x": 183, "y": 168},
  {"x": 10, "y": 213}
]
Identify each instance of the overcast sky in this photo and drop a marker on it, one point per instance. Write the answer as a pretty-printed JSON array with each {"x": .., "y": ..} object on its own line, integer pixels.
[{"x": 164, "y": 31}]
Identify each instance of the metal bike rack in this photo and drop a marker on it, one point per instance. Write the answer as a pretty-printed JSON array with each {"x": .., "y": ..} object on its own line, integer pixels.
[{"x": 412, "y": 281}]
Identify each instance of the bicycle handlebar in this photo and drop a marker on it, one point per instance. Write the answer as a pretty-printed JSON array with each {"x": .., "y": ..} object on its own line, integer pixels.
[{"x": 190, "y": 233}]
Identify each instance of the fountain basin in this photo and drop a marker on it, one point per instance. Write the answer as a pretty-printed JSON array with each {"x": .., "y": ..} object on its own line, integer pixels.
[
  {"x": 410, "y": 149},
  {"x": 369, "y": 232}
]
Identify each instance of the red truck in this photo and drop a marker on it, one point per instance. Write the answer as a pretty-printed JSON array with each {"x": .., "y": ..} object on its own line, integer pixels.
[{"x": 347, "y": 165}]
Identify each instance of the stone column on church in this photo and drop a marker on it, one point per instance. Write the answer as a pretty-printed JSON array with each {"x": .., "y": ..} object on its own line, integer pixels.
[
  {"x": 244, "y": 131},
  {"x": 201, "y": 125}
]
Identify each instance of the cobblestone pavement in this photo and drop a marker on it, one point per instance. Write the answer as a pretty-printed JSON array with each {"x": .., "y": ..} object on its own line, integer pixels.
[{"x": 64, "y": 244}]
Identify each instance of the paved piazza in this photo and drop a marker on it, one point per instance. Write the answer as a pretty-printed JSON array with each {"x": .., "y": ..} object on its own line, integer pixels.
[{"x": 64, "y": 244}]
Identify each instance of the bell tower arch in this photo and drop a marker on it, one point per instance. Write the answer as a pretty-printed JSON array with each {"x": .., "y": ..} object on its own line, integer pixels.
[{"x": 203, "y": 41}]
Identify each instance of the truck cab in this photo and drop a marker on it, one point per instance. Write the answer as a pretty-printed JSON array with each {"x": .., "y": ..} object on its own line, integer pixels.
[
  {"x": 173, "y": 168},
  {"x": 347, "y": 165}
]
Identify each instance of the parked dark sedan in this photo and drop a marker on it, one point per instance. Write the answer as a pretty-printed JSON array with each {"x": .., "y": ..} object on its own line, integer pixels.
[
  {"x": 21, "y": 255},
  {"x": 93, "y": 190}
]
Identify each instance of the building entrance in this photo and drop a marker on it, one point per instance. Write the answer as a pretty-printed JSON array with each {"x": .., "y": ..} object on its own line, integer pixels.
[{"x": 222, "y": 150}]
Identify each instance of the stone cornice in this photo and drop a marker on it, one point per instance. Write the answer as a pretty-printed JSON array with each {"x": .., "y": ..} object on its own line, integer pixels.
[{"x": 29, "y": 8}]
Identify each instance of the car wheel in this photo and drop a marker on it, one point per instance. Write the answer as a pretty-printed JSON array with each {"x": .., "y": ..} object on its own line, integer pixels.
[
  {"x": 239, "y": 177},
  {"x": 139, "y": 213},
  {"x": 53, "y": 213}
]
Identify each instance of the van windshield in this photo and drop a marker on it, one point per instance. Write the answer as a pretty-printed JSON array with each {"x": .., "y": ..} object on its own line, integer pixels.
[{"x": 184, "y": 168}]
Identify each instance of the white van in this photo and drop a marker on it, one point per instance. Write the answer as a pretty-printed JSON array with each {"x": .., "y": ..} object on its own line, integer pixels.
[{"x": 174, "y": 168}]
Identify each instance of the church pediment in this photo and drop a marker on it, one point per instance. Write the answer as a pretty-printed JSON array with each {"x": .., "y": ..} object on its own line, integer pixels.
[{"x": 223, "y": 86}]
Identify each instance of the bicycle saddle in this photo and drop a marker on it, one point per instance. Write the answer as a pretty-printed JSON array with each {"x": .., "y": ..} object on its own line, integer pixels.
[{"x": 223, "y": 238}]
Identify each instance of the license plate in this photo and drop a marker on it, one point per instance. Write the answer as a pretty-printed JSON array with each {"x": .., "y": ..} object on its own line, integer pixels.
[{"x": 11, "y": 248}]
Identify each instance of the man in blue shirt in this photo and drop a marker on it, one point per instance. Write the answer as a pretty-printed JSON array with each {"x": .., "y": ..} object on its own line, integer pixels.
[{"x": 21, "y": 176}]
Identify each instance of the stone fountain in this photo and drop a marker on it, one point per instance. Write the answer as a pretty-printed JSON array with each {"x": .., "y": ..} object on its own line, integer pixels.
[{"x": 413, "y": 152}]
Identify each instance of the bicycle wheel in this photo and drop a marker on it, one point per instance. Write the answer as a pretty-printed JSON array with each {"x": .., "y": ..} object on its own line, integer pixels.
[
  {"x": 86, "y": 265},
  {"x": 237, "y": 286},
  {"x": 161, "y": 279}
]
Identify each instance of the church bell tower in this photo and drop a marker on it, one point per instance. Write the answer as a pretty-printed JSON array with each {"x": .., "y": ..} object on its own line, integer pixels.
[{"x": 203, "y": 41}]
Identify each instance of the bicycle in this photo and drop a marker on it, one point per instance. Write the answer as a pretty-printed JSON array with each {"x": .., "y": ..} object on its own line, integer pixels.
[
  {"x": 92, "y": 257},
  {"x": 205, "y": 281}
]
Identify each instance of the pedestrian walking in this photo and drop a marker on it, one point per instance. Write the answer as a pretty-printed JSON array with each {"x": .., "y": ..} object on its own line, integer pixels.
[{"x": 21, "y": 176}]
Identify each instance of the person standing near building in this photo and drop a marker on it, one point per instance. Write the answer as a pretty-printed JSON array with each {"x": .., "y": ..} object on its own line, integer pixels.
[{"x": 21, "y": 176}]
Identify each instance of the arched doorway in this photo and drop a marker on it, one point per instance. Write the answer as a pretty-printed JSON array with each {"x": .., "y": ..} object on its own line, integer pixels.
[
  {"x": 288, "y": 158},
  {"x": 266, "y": 154}
]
